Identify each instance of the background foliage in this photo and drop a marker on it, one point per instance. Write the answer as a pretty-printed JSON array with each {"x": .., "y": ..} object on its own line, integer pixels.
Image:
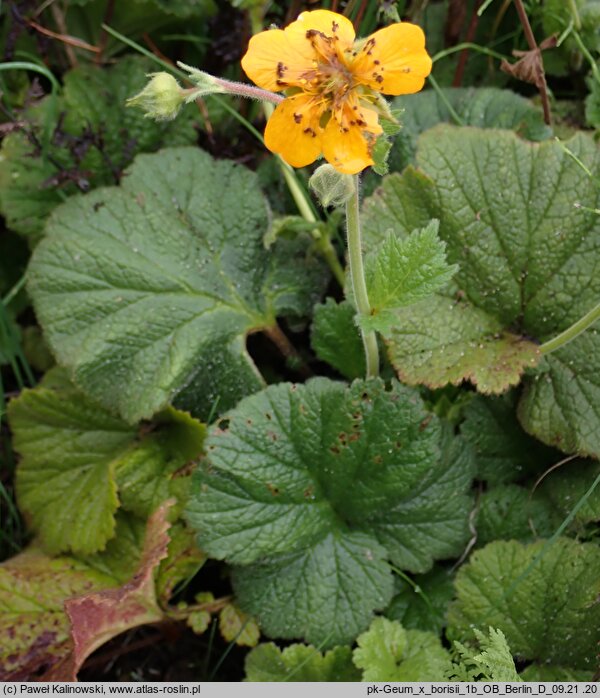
[{"x": 191, "y": 458}]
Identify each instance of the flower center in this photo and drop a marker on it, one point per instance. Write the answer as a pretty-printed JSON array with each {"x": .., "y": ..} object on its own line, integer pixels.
[{"x": 330, "y": 76}]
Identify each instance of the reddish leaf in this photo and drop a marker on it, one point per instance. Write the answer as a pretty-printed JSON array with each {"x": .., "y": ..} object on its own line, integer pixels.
[
  {"x": 34, "y": 629},
  {"x": 98, "y": 617}
]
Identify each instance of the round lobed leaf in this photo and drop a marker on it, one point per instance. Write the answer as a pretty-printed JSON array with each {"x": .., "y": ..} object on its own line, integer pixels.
[
  {"x": 153, "y": 285},
  {"x": 315, "y": 486},
  {"x": 528, "y": 259}
]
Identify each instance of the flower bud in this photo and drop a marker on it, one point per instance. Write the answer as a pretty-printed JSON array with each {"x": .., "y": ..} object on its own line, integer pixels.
[
  {"x": 161, "y": 99},
  {"x": 332, "y": 188}
]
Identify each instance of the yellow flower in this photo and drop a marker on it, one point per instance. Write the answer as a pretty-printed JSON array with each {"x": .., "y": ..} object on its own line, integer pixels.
[{"x": 331, "y": 83}]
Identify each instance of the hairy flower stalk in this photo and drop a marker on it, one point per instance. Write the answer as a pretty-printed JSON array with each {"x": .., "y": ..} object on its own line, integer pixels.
[{"x": 357, "y": 276}]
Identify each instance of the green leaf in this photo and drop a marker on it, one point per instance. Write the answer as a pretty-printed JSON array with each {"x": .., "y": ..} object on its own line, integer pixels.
[
  {"x": 510, "y": 512},
  {"x": 300, "y": 663},
  {"x": 422, "y": 605},
  {"x": 92, "y": 142},
  {"x": 303, "y": 479},
  {"x": 447, "y": 340},
  {"x": 526, "y": 261},
  {"x": 147, "y": 473},
  {"x": 200, "y": 620},
  {"x": 402, "y": 272},
  {"x": 288, "y": 227},
  {"x": 388, "y": 652},
  {"x": 487, "y": 107},
  {"x": 76, "y": 456},
  {"x": 542, "y": 596},
  {"x": 592, "y": 104},
  {"x": 380, "y": 154},
  {"x": 179, "y": 242},
  {"x": 121, "y": 556},
  {"x": 430, "y": 521},
  {"x": 336, "y": 339},
  {"x": 238, "y": 627},
  {"x": 183, "y": 561},
  {"x": 564, "y": 487},
  {"x": 561, "y": 405},
  {"x": 556, "y": 17},
  {"x": 504, "y": 452},
  {"x": 65, "y": 480},
  {"x": 325, "y": 593},
  {"x": 491, "y": 661}
]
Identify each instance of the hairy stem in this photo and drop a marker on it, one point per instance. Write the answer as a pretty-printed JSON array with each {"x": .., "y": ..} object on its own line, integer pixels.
[
  {"x": 244, "y": 90},
  {"x": 571, "y": 332},
  {"x": 357, "y": 276},
  {"x": 302, "y": 201}
]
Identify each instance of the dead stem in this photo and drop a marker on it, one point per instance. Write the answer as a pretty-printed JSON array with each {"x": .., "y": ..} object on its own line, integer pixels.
[
  {"x": 108, "y": 13},
  {"x": 288, "y": 351},
  {"x": 532, "y": 43},
  {"x": 65, "y": 38},
  {"x": 469, "y": 37},
  {"x": 59, "y": 18}
]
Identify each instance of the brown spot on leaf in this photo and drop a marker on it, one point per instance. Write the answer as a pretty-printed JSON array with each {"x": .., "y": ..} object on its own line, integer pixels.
[{"x": 425, "y": 422}]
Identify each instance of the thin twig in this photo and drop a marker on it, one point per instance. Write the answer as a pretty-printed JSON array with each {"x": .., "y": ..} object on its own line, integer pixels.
[
  {"x": 42, "y": 7},
  {"x": 539, "y": 481},
  {"x": 288, "y": 350},
  {"x": 108, "y": 14},
  {"x": 155, "y": 50},
  {"x": 543, "y": 88},
  {"x": 59, "y": 18},
  {"x": 469, "y": 36},
  {"x": 360, "y": 14},
  {"x": 473, "y": 531},
  {"x": 65, "y": 38}
]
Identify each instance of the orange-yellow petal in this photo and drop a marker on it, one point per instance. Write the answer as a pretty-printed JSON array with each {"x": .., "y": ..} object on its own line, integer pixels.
[
  {"x": 274, "y": 62},
  {"x": 352, "y": 112},
  {"x": 331, "y": 24},
  {"x": 293, "y": 130},
  {"x": 346, "y": 148},
  {"x": 393, "y": 60}
]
